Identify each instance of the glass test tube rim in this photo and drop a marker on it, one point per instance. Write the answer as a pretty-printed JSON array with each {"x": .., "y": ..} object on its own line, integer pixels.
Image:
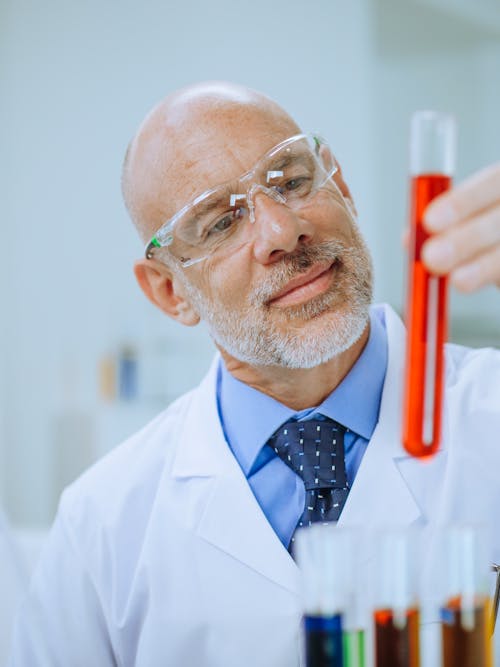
[
  {"x": 432, "y": 156},
  {"x": 468, "y": 569},
  {"x": 435, "y": 132},
  {"x": 397, "y": 583},
  {"x": 323, "y": 588}
]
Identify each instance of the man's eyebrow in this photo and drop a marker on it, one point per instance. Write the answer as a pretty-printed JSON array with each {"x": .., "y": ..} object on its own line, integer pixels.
[
  {"x": 285, "y": 160},
  {"x": 209, "y": 204}
]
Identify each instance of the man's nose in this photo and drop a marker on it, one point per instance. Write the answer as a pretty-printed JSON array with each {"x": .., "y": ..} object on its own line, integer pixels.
[{"x": 278, "y": 229}]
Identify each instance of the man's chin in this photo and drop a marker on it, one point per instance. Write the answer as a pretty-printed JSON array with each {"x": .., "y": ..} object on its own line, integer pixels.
[
  {"x": 297, "y": 345},
  {"x": 328, "y": 336}
]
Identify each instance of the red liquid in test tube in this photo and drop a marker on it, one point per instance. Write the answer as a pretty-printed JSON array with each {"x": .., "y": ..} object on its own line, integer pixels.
[{"x": 432, "y": 149}]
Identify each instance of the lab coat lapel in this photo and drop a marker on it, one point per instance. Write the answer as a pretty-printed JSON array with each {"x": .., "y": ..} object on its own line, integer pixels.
[
  {"x": 229, "y": 517},
  {"x": 382, "y": 492},
  {"x": 388, "y": 488}
]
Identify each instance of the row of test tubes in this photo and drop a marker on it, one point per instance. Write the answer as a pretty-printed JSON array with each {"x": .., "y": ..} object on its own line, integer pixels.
[{"x": 351, "y": 620}]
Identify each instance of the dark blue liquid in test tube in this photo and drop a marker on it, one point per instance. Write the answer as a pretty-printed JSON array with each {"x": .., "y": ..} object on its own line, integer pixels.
[{"x": 323, "y": 641}]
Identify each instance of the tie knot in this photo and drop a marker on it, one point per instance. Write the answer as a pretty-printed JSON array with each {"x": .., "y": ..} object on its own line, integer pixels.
[{"x": 314, "y": 449}]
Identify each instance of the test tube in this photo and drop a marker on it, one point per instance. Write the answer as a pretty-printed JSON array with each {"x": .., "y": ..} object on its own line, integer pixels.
[
  {"x": 322, "y": 573},
  {"x": 466, "y": 618},
  {"x": 496, "y": 598},
  {"x": 432, "y": 164},
  {"x": 397, "y": 615},
  {"x": 354, "y": 620}
]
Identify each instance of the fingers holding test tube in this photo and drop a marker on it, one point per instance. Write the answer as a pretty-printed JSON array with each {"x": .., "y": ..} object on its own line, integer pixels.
[{"x": 465, "y": 223}]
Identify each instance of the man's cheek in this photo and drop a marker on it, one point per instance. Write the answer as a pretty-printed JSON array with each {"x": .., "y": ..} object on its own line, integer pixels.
[{"x": 231, "y": 289}]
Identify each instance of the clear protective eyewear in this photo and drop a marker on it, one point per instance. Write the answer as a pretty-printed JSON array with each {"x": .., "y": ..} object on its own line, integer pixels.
[{"x": 290, "y": 173}]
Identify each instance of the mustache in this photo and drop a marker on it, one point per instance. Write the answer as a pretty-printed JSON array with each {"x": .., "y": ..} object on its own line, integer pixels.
[{"x": 293, "y": 265}]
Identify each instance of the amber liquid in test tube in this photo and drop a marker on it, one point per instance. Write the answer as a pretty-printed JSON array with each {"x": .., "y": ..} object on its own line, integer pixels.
[
  {"x": 397, "y": 644},
  {"x": 432, "y": 157},
  {"x": 397, "y": 616},
  {"x": 466, "y": 620},
  {"x": 466, "y": 646}
]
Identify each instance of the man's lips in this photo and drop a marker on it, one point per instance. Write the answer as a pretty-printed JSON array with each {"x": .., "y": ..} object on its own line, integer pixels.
[{"x": 305, "y": 286}]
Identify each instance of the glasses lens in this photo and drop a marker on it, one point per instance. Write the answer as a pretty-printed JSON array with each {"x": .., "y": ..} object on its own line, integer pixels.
[
  {"x": 295, "y": 169},
  {"x": 208, "y": 223}
]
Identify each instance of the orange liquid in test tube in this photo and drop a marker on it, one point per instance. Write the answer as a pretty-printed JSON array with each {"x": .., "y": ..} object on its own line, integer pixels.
[
  {"x": 427, "y": 299},
  {"x": 466, "y": 615}
]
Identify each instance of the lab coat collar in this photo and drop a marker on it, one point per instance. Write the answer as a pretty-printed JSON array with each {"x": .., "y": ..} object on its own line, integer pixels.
[
  {"x": 247, "y": 435},
  {"x": 386, "y": 489},
  {"x": 229, "y": 516}
]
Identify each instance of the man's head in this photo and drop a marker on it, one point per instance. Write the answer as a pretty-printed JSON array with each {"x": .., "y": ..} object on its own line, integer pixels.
[{"x": 294, "y": 290}]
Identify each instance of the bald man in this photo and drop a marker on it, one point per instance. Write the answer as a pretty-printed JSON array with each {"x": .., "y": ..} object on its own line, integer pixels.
[{"x": 175, "y": 549}]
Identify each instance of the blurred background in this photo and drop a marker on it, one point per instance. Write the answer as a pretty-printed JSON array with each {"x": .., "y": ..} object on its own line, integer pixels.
[{"x": 85, "y": 360}]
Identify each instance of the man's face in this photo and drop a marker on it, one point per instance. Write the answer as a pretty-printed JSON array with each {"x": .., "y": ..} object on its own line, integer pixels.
[{"x": 296, "y": 292}]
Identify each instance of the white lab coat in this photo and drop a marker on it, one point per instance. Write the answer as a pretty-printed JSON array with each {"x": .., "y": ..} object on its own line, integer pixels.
[
  {"x": 13, "y": 584},
  {"x": 161, "y": 556}
]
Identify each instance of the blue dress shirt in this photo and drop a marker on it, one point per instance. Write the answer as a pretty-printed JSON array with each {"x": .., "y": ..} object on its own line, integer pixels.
[{"x": 249, "y": 418}]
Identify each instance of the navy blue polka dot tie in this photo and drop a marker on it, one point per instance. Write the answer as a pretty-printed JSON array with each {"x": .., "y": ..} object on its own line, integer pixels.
[{"x": 314, "y": 449}]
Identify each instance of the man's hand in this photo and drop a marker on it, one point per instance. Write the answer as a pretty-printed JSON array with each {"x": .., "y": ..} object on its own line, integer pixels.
[{"x": 466, "y": 225}]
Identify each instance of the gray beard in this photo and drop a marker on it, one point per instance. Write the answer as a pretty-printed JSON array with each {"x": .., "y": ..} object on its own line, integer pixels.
[{"x": 251, "y": 335}]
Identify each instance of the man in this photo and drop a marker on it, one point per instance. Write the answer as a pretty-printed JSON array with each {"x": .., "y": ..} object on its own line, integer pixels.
[{"x": 174, "y": 550}]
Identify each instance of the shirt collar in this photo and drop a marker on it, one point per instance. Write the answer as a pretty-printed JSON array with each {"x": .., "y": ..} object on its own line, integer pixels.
[
  {"x": 355, "y": 402},
  {"x": 249, "y": 417}
]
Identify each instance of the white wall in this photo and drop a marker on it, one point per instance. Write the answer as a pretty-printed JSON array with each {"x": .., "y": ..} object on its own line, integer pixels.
[
  {"x": 434, "y": 59},
  {"x": 76, "y": 80}
]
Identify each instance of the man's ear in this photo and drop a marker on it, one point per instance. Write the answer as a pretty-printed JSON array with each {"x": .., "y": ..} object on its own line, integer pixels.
[{"x": 165, "y": 291}]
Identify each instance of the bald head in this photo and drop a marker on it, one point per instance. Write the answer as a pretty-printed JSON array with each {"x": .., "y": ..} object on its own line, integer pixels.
[{"x": 178, "y": 150}]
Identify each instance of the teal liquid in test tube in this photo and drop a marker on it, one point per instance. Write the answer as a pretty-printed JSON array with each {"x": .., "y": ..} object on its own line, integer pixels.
[
  {"x": 354, "y": 648},
  {"x": 355, "y": 618}
]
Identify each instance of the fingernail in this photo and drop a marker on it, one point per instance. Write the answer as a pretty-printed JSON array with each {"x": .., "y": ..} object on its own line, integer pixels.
[
  {"x": 440, "y": 216},
  {"x": 438, "y": 254}
]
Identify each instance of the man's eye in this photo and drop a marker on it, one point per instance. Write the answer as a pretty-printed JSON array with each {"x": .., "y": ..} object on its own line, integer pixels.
[
  {"x": 227, "y": 221},
  {"x": 296, "y": 183},
  {"x": 300, "y": 185}
]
